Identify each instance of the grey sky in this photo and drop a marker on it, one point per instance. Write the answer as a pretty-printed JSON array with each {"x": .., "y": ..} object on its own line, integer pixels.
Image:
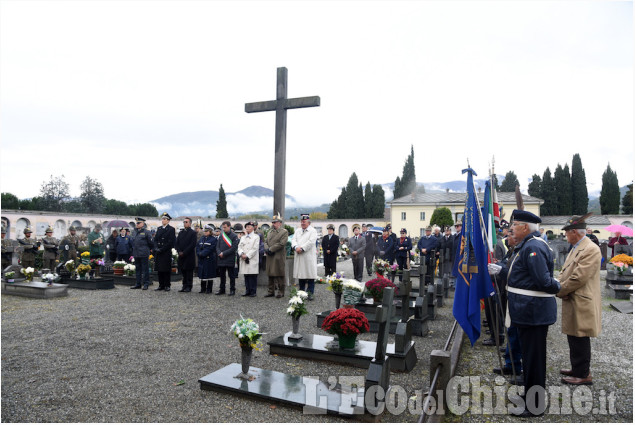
[{"x": 148, "y": 97}]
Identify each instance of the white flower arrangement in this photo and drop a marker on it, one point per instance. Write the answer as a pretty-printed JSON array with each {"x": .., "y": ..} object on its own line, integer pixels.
[
  {"x": 353, "y": 285},
  {"x": 297, "y": 307},
  {"x": 129, "y": 269}
]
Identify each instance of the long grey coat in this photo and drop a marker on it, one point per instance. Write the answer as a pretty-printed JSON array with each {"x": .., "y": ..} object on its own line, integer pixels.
[{"x": 276, "y": 242}]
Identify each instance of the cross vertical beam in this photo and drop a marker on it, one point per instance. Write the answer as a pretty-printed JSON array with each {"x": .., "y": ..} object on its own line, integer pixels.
[{"x": 280, "y": 105}]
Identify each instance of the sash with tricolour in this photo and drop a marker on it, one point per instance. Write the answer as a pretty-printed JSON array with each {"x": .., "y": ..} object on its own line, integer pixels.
[{"x": 226, "y": 239}]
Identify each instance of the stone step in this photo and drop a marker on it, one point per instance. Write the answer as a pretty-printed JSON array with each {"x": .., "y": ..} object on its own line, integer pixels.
[{"x": 35, "y": 289}]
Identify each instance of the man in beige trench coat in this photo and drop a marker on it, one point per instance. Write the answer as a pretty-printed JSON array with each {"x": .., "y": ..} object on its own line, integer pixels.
[
  {"x": 275, "y": 249},
  {"x": 581, "y": 300}
]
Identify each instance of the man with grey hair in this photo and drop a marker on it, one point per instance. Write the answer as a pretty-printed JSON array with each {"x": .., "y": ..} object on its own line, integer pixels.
[
  {"x": 581, "y": 300},
  {"x": 531, "y": 304},
  {"x": 305, "y": 258}
]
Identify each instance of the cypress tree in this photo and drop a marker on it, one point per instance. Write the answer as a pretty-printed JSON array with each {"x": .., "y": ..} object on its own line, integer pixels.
[
  {"x": 397, "y": 190},
  {"x": 379, "y": 201},
  {"x": 535, "y": 187},
  {"x": 368, "y": 200},
  {"x": 579, "y": 193},
  {"x": 562, "y": 185},
  {"x": 408, "y": 181},
  {"x": 610, "y": 193},
  {"x": 354, "y": 206},
  {"x": 627, "y": 201},
  {"x": 510, "y": 182},
  {"x": 221, "y": 204},
  {"x": 548, "y": 195}
]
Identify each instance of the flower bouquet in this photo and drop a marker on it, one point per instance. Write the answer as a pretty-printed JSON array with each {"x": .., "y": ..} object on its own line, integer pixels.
[
  {"x": 381, "y": 266},
  {"x": 351, "y": 291},
  {"x": 96, "y": 262},
  {"x": 175, "y": 256},
  {"x": 621, "y": 263},
  {"x": 346, "y": 323},
  {"x": 50, "y": 278},
  {"x": 248, "y": 333},
  {"x": 335, "y": 282},
  {"x": 119, "y": 264},
  {"x": 70, "y": 266},
  {"x": 297, "y": 308},
  {"x": 129, "y": 269},
  {"x": 375, "y": 287},
  {"x": 28, "y": 273},
  {"x": 85, "y": 256},
  {"x": 82, "y": 269},
  {"x": 10, "y": 276}
]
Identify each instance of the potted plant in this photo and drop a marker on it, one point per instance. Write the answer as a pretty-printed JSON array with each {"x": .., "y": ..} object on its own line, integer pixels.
[
  {"x": 375, "y": 287},
  {"x": 351, "y": 291},
  {"x": 335, "y": 285},
  {"x": 117, "y": 267},
  {"x": 296, "y": 309},
  {"x": 622, "y": 264},
  {"x": 82, "y": 270},
  {"x": 248, "y": 334},
  {"x": 130, "y": 269},
  {"x": 27, "y": 273},
  {"x": 50, "y": 278},
  {"x": 346, "y": 323},
  {"x": 10, "y": 276},
  {"x": 85, "y": 257}
]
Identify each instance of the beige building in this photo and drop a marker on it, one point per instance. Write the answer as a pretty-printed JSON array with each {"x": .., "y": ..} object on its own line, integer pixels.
[{"x": 413, "y": 212}]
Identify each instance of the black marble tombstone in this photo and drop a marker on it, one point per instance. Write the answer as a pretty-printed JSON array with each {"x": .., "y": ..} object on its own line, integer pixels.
[{"x": 378, "y": 377}]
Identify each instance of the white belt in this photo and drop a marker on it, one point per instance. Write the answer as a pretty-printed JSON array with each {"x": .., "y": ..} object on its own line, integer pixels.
[
  {"x": 529, "y": 292},
  {"x": 508, "y": 319}
]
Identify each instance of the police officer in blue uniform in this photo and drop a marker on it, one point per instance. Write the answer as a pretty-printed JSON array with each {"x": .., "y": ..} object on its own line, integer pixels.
[
  {"x": 386, "y": 246},
  {"x": 142, "y": 243},
  {"x": 532, "y": 305}
]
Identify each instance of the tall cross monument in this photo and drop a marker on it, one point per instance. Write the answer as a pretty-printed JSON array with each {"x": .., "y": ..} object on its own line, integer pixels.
[{"x": 280, "y": 105}]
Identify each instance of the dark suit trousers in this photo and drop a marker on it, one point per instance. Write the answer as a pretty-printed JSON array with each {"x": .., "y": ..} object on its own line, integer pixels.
[
  {"x": 164, "y": 279},
  {"x": 580, "y": 355},
  {"x": 188, "y": 278},
  {"x": 533, "y": 342},
  {"x": 223, "y": 278},
  {"x": 358, "y": 267}
]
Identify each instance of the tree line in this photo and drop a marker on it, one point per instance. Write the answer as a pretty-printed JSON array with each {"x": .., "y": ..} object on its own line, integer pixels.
[{"x": 55, "y": 196}]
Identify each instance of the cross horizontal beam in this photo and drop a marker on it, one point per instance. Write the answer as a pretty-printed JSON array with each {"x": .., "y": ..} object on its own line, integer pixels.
[{"x": 272, "y": 105}]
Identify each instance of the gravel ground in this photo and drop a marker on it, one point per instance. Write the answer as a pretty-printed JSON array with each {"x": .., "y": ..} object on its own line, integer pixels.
[
  {"x": 611, "y": 368},
  {"x": 116, "y": 355}
]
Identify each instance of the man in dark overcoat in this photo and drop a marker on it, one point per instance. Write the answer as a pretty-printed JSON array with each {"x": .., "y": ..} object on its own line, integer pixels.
[
  {"x": 330, "y": 246},
  {"x": 164, "y": 241},
  {"x": 369, "y": 252},
  {"x": 226, "y": 251},
  {"x": 141, "y": 245},
  {"x": 185, "y": 247}
]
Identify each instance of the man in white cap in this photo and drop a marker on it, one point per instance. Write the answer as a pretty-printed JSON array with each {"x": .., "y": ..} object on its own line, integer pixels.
[{"x": 305, "y": 258}]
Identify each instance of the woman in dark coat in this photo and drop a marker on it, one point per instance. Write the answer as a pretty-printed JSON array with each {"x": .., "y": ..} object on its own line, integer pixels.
[{"x": 206, "y": 253}]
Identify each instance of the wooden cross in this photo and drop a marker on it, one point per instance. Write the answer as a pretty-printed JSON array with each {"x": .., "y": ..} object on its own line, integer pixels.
[{"x": 280, "y": 105}]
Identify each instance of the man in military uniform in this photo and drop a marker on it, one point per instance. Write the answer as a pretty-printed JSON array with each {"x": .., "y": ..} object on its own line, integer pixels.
[
  {"x": 275, "y": 249},
  {"x": 141, "y": 246},
  {"x": 50, "y": 250},
  {"x": 96, "y": 243},
  {"x": 163, "y": 243},
  {"x": 69, "y": 245},
  {"x": 30, "y": 246},
  {"x": 7, "y": 249},
  {"x": 531, "y": 303}
]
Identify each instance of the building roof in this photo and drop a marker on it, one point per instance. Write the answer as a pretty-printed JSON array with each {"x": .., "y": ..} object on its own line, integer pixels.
[
  {"x": 561, "y": 220},
  {"x": 449, "y": 198}
]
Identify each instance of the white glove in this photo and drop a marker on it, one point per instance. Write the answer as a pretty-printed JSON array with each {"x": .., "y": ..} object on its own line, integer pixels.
[{"x": 493, "y": 269}]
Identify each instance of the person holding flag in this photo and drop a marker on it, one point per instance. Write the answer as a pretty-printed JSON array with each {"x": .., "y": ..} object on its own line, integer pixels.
[
  {"x": 531, "y": 304},
  {"x": 226, "y": 251}
]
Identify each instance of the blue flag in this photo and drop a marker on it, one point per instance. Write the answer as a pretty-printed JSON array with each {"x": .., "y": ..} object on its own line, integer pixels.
[{"x": 470, "y": 269}]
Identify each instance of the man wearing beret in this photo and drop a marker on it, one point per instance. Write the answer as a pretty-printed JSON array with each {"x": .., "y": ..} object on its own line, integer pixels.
[
  {"x": 330, "y": 245},
  {"x": 69, "y": 245},
  {"x": 96, "y": 243},
  {"x": 581, "y": 300},
  {"x": 532, "y": 305},
  {"x": 163, "y": 243},
  {"x": 305, "y": 258}
]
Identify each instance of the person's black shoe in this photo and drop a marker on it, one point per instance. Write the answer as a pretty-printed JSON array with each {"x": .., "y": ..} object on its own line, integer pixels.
[
  {"x": 311, "y": 297},
  {"x": 269, "y": 295},
  {"x": 136, "y": 287},
  {"x": 231, "y": 293},
  {"x": 279, "y": 296},
  {"x": 159, "y": 289},
  {"x": 182, "y": 290},
  {"x": 491, "y": 342},
  {"x": 246, "y": 294},
  {"x": 145, "y": 287},
  {"x": 503, "y": 349},
  {"x": 252, "y": 295},
  {"x": 220, "y": 292},
  {"x": 167, "y": 289}
]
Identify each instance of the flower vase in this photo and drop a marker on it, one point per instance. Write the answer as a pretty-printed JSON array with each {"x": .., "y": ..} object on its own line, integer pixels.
[
  {"x": 347, "y": 341},
  {"x": 117, "y": 272},
  {"x": 91, "y": 274},
  {"x": 338, "y": 299},
  {"x": 82, "y": 276},
  {"x": 10, "y": 280},
  {"x": 245, "y": 362},
  {"x": 295, "y": 323}
]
